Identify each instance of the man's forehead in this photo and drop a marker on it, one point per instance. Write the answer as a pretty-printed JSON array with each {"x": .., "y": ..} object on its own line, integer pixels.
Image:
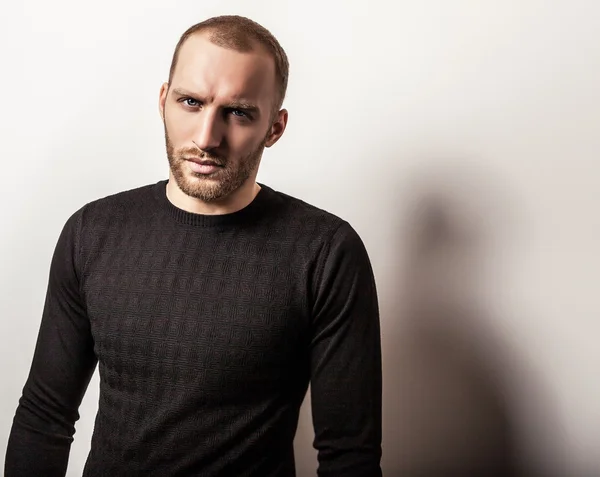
[
  {"x": 200, "y": 48},
  {"x": 203, "y": 64}
]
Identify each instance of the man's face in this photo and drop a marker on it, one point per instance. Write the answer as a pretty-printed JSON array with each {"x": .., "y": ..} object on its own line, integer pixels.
[{"x": 217, "y": 115}]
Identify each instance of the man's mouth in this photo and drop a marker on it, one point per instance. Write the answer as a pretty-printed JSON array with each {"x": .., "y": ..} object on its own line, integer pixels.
[
  {"x": 203, "y": 166},
  {"x": 204, "y": 162}
]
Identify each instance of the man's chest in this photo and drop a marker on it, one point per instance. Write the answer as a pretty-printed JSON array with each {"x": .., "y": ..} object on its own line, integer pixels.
[{"x": 179, "y": 315}]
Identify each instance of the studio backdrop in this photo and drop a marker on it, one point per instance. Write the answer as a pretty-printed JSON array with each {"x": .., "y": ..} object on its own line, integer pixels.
[{"x": 459, "y": 138}]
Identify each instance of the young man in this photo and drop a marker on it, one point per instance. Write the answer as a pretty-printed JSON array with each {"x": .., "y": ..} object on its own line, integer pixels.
[{"x": 208, "y": 301}]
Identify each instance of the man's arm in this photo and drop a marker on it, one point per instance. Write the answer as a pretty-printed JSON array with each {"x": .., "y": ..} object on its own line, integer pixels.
[
  {"x": 63, "y": 363},
  {"x": 346, "y": 376}
]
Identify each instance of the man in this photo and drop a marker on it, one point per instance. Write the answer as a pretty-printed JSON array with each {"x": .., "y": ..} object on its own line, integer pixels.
[{"x": 208, "y": 301}]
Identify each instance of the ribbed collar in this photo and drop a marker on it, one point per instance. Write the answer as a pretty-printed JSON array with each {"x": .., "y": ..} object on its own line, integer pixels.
[{"x": 251, "y": 213}]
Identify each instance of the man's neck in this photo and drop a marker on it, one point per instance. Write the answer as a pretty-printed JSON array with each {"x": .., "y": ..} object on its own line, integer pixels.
[{"x": 237, "y": 200}]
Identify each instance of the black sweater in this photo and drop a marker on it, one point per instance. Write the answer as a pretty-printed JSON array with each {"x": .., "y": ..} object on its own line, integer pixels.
[{"x": 207, "y": 331}]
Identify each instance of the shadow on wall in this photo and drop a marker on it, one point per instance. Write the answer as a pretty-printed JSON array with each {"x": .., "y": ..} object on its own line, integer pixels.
[{"x": 450, "y": 380}]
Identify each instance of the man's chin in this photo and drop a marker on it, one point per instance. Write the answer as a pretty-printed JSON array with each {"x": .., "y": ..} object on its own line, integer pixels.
[
  {"x": 208, "y": 188},
  {"x": 202, "y": 190}
]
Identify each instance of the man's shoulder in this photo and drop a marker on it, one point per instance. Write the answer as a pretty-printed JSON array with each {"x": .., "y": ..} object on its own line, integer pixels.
[
  {"x": 124, "y": 199},
  {"x": 309, "y": 219},
  {"x": 114, "y": 207},
  {"x": 296, "y": 209},
  {"x": 321, "y": 231}
]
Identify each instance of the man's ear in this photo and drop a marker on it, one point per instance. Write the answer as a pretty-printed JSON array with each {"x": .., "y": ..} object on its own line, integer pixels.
[
  {"x": 162, "y": 99},
  {"x": 277, "y": 128}
]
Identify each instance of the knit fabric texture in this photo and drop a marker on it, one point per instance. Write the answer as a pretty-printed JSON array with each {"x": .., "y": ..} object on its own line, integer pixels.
[{"x": 207, "y": 331}]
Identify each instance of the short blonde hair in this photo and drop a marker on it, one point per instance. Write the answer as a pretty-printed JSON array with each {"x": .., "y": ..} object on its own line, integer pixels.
[{"x": 240, "y": 34}]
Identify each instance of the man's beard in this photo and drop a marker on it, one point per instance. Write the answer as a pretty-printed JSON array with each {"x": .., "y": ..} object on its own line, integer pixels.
[{"x": 229, "y": 177}]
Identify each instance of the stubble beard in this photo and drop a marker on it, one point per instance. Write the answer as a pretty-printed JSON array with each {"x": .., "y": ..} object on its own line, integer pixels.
[{"x": 211, "y": 187}]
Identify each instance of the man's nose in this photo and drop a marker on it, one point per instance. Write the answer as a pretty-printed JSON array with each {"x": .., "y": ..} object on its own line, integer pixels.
[{"x": 209, "y": 133}]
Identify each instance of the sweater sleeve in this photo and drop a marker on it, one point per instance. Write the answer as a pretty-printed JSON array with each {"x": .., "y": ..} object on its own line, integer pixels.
[
  {"x": 62, "y": 366},
  {"x": 346, "y": 375}
]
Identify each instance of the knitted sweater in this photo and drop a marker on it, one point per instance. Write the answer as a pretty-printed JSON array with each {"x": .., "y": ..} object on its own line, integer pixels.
[{"x": 207, "y": 330}]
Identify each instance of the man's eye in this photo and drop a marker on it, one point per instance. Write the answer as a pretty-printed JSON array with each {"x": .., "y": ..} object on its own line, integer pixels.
[
  {"x": 237, "y": 112},
  {"x": 191, "y": 102}
]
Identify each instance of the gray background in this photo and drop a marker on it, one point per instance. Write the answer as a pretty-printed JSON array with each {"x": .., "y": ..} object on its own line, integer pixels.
[{"x": 459, "y": 138}]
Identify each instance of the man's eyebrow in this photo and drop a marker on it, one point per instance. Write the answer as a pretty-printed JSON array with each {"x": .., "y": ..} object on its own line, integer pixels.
[
  {"x": 238, "y": 103},
  {"x": 183, "y": 92},
  {"x": 243, "y": 105}
]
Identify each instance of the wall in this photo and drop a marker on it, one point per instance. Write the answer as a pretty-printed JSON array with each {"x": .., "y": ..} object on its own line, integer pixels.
[{"x": 459, "y": 138}]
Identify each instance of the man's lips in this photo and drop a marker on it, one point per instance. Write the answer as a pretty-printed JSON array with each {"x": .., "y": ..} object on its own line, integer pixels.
[
  {"x": 203, "y": 166},
  {"x": 204, "y": 162}
]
